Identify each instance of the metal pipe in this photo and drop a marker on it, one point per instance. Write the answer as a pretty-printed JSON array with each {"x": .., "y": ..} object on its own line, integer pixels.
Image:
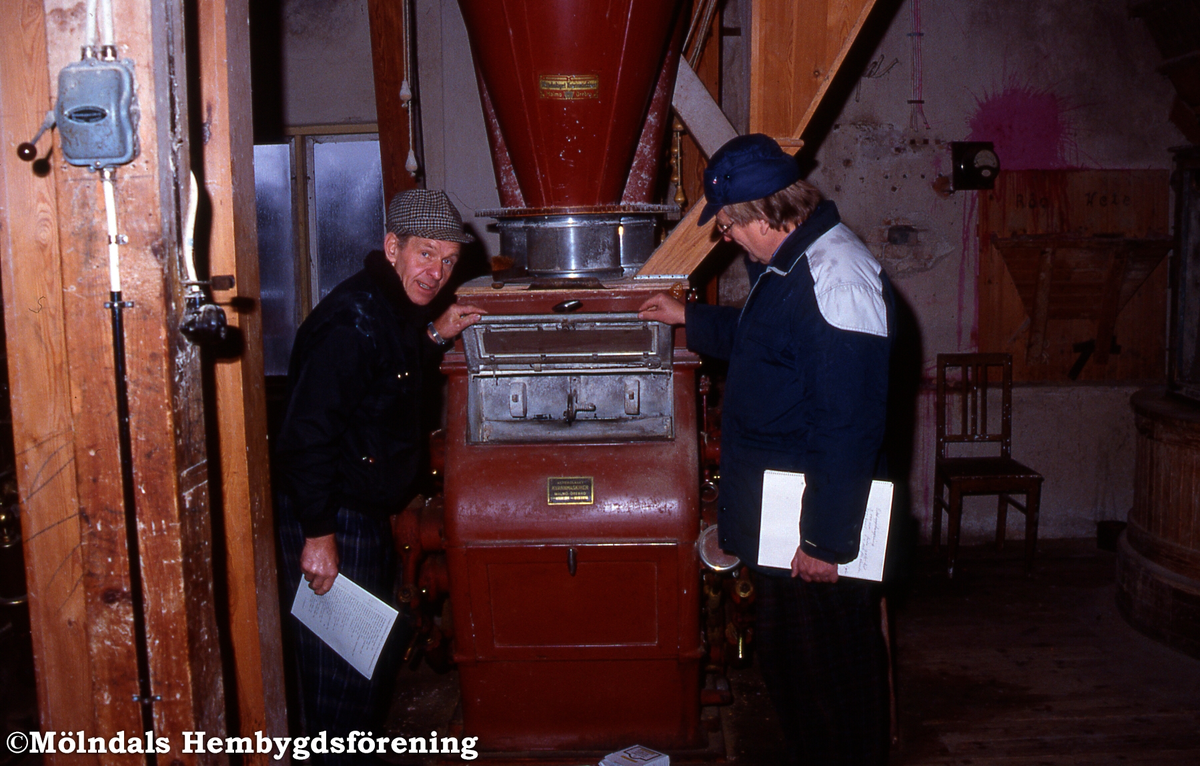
[{"x": 116, "y": 306}]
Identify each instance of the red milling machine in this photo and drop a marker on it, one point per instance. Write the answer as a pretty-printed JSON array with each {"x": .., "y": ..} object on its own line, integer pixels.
[{"x": 572, "y": 453}]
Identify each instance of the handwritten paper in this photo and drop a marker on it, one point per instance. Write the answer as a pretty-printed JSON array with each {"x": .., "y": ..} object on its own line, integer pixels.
[
  {"x": 353, "y": 622},
  {"x": 779, "y": 534}
]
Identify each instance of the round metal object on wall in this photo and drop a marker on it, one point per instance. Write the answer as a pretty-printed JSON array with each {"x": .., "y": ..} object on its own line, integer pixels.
[{"x": 711, "y": 554}]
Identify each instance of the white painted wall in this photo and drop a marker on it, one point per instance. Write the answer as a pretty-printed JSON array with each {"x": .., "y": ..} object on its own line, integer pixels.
[
  {"x": 1053, "y": 87},
  {"x": 457, "y": 157}
]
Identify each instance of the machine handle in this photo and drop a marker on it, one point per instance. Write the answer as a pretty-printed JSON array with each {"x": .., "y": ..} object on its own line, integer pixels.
[
  {"x": 571, "y": 562},
  {"x": 573, "y": 409}
]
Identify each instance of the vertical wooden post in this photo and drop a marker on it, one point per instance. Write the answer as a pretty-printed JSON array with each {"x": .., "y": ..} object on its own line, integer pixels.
[
  {"x": 245, "y": 502},
  {"x": 170, "y": 479},
  {"x": 391, "y": 69},
  {"x": 43, "y": 426}
]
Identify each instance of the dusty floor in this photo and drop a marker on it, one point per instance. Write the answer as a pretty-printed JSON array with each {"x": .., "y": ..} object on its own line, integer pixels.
[{"x": 994, "y": 668}]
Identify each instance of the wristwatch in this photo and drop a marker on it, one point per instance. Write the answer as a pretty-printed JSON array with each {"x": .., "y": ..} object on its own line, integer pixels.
[{"x": 437, "y": 336}]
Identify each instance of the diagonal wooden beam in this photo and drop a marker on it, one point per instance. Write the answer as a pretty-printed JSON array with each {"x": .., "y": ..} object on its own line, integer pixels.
[{"x": 796, "y": 51}]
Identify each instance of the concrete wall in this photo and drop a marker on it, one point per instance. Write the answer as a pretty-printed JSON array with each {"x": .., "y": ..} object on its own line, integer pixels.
[
  {"x": 456, "y": 152},
  {"x": 1052, "y": 84},
  {"x": 327, "y": 76}
]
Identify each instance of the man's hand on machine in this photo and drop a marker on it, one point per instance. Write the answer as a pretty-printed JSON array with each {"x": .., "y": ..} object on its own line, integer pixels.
[
  {"x": 455, "y": 319},
  {"x": 662, "y": 308},
  {"x": 319, "y": 563}
]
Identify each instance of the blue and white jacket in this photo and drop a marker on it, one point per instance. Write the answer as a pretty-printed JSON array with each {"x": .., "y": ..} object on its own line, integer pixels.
[{"x": 807, "y": 385}]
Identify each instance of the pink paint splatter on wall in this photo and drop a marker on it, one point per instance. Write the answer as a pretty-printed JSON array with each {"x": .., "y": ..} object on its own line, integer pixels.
[{"x": 1030, "y": 128}]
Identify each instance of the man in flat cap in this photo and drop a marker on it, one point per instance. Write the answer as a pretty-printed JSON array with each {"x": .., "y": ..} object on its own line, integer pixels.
[
  {"x": 806, "y": 392},
  {"x": 351, "y": 446}
]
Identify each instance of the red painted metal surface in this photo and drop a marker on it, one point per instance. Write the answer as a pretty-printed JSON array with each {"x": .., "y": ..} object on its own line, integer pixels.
[
  {"x": 570, "y": 83},
  {"x": 576, "y": 626}
]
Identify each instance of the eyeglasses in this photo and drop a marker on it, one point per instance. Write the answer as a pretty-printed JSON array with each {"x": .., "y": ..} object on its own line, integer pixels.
[{"x": 723, "y": 228}]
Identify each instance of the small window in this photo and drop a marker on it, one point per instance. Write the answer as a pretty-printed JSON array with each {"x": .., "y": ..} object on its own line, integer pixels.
[{"x": 320, "y": 211}]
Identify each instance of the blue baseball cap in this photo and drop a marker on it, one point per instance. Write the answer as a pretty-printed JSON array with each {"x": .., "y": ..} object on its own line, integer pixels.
[{"x": 746, "y": 168}]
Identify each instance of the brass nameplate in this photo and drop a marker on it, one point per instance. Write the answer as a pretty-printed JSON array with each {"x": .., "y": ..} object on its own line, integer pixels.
[
  {"x": 570, "y": 490},
  {"x": 569, "y": 87}
]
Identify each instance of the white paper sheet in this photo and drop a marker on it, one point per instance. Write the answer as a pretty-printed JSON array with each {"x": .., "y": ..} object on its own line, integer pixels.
[
  {"x": 353, "y": 622},
  {"x": 779, "y": 535}
]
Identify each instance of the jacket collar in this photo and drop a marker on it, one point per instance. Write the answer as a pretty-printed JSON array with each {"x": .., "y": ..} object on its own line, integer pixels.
[
  {"x": 823, "y": 218},
  {"x": 383, "y": 275}
]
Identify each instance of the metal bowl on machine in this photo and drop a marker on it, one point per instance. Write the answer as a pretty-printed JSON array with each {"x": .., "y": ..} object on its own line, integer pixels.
[
  {"x": 573, "y": 245},
  {"x": 711, "y": 554}
]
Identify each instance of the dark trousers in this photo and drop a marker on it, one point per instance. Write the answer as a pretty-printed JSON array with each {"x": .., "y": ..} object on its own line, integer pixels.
[
  {"x": 335, "y": 697},
  {"x": 823, "y": 660}
]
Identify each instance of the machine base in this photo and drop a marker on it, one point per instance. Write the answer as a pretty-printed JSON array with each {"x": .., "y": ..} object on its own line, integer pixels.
[{"x": 600, "y": 705}]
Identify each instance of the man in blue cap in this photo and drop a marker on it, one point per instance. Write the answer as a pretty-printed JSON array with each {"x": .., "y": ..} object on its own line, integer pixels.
[{"x": 806, "y": 392}]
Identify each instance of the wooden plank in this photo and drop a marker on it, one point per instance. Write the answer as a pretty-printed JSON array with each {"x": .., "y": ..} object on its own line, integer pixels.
[
  {"x": 1041, "y": 304},
  {"x": 244, "y": 500},
  {"x": 82, "y": 237},
  {"x": 39, "y": 388},
  {"x": 166, "y": 406},
  {"x": 684, "y": 248},
  {"x": 796, "y": 50},
  {"x": 1075, "y": 205},
  {"x": 1110, "y": 304},
  {"x": 699, "y": 112},
  {"x": 165, "y": 403},
  {"x": 390, "y": 69}
]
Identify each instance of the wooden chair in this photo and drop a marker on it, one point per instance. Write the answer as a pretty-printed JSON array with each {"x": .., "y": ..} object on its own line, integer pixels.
[{"x": 970, "y": 430}]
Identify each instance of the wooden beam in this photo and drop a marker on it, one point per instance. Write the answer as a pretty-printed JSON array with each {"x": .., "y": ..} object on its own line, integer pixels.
[
  {"x": 700, "y": 114},
  {"x": 223, "y": 37},
  {"x": 166, "y": 415},
  {"x": 391, "y": 70},
  {"x": 796, "y": 50},
  {"x": 39, "y": 390}
]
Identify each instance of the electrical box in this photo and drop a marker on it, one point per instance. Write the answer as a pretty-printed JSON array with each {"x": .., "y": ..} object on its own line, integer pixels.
[
  {"x": 97, "y": 113},
  {"x": 975, "y": 165}
]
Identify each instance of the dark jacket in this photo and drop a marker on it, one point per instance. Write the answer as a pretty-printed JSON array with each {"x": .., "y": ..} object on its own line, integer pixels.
[
  {"x": 352, "y": 434},
  {"x": 807, "y": 385}
]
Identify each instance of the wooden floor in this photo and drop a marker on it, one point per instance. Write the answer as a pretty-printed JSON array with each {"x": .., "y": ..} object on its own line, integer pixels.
[
  {"x": 999, "y": 668},
  {"x": 994, "y": 668}
]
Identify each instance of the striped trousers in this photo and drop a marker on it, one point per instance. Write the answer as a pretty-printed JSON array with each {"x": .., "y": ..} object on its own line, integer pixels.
[
  {"x": 334, "y": 697},
  {"x": 821, "y": 651}
]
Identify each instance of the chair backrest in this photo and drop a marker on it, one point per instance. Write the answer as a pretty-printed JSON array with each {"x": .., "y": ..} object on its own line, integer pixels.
[{"x": 974, "y": 403}]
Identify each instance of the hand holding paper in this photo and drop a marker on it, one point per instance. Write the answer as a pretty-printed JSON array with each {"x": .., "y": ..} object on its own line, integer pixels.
[
  {"x": 779, "y": 534},
  {"x": 353, "y": 622}
]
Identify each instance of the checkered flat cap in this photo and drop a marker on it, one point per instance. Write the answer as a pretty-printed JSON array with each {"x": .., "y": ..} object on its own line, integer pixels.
[{"x": 426, "y": 213}]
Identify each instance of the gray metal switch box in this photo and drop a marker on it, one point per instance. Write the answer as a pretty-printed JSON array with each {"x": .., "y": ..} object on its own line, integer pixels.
[{"x": 96, "y": 113}]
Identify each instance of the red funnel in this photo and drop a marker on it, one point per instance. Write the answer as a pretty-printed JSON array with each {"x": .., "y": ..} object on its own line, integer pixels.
[{"x": 570, "y": 82}]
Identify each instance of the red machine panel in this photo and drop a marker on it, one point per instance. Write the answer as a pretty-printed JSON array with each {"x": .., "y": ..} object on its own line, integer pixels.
[
  {"x": 598, "y": 705},
  {"x": 586, "y": 601},
  {"x": 574, "y": 573}
]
